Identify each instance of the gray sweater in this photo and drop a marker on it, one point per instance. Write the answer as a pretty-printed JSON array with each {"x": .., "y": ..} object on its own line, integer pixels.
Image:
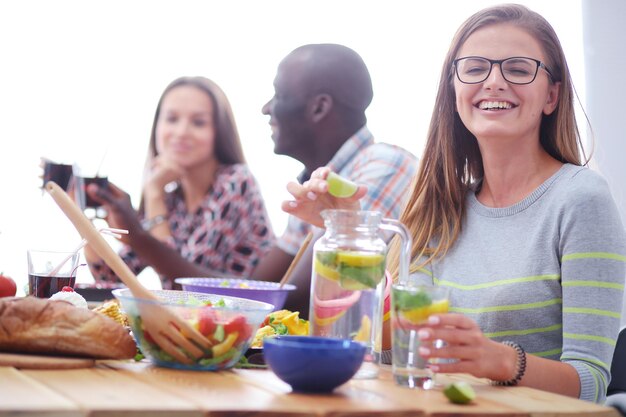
[{"x": 547, "y": 273}]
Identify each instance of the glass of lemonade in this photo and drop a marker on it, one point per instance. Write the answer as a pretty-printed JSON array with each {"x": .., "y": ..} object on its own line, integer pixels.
[{"x": 412, "y": 304}]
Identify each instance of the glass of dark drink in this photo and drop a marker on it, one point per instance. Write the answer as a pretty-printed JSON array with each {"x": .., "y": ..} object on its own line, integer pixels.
[
  {"x": 91, "y": 207},
  {"x": 49, "y": 272},
  {"x": 102, "y": 182},
  {"x": 59, "y": 173}
]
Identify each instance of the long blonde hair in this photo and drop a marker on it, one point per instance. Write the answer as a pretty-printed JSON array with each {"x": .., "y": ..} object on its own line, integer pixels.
[{"x": 452, "y": 162}]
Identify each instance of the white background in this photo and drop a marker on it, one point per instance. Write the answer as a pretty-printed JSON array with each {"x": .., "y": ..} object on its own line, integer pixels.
[{"x": 80, "y": 80}]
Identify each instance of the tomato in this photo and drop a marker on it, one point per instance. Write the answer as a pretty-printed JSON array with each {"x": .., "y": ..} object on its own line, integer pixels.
[
  {"x": 148, "y": 338},
  {"x": 207, "y": 321},
  {"x": 238, "y": 324},
  {"x": 7, "y": 287}
]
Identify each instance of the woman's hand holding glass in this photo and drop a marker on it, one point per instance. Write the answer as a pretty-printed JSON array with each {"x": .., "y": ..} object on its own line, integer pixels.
[
  {"x": 312, "y": 197},
  {"x": 120, "y": 211},
  {"x": 465, "y": 349}
]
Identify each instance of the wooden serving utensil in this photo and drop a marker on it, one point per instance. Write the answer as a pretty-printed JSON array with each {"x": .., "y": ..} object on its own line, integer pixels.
[
  {"x": 173, "y": 334},
  {"x": 296, "y": 258}
]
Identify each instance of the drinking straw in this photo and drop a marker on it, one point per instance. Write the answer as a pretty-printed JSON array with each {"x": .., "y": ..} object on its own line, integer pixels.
[{"x": 117, "y": 233}]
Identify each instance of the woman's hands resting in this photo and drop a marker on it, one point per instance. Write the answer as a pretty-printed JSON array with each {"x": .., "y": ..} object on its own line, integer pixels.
[{"x": 311, "y": 197}]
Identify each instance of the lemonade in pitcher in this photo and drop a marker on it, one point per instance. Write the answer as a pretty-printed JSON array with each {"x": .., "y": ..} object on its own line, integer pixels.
[{"x": 348, "y": 281}]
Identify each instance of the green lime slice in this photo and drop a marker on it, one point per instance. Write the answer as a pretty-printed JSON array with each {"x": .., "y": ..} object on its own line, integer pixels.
[
  {"x": 339, "y": 186},
  {"x": 353, "y": 285},
  {"x": 327, "y": 258},
  {"x": 459, "y": 392},
  {"x": 360, "y": 278}
]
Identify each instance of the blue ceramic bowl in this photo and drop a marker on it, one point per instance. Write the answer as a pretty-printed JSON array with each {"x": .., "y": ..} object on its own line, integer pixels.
[
  {"x": 265, "y": 291},
  {"x": 311, "y": 363}
]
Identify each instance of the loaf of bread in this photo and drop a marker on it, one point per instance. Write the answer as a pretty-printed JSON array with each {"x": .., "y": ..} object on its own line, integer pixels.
[{"x": 35, "y": 325}]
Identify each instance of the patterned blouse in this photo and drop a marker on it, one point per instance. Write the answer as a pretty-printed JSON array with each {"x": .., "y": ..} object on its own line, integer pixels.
[{"x": 228, "y": 233}]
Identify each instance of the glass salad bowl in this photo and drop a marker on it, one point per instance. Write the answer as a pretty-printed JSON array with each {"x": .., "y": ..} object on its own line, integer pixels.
[{"x": 229, "y": 323}]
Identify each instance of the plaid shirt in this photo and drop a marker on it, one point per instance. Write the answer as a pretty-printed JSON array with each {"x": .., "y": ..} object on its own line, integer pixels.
[
  {"x": 387, "y": 170},
  {"x": 229, "y": 232}
]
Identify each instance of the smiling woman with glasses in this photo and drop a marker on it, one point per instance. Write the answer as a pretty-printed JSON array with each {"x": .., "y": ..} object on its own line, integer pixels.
[
  {"x": 503, "y": 213},
  {"x": 529, "y": 242},
  {"x": 516, "y": 70}
]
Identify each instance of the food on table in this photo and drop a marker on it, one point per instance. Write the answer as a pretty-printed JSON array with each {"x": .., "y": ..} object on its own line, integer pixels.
[
  {"x": 112, "y": 310},
  {"x": 281, "y": 322},
  {"x": 68, "y": 294},
  {"x": 37, "y": 325},
  {"x": 339, "y": 186},
  {"x": 354, "y": 270},
  {"x": 228, "y": 334},
  {"x": 459, "y": 392},
  {"x": 7, "y": 286}
]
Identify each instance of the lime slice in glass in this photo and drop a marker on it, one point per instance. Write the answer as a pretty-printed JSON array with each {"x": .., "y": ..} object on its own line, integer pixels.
[
  {"x": 339, "y": 186},
  {"x": 459, "y": 392}
]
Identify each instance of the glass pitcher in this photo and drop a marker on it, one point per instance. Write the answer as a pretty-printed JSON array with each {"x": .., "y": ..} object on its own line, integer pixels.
[{"x": 348, "y": 282}]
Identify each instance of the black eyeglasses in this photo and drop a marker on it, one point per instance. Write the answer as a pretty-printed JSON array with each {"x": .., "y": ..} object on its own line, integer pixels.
[{"x": 516, "y": 70}]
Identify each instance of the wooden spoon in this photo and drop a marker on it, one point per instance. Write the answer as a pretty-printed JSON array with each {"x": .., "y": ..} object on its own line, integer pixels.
[{"x": 169, "y": 331}]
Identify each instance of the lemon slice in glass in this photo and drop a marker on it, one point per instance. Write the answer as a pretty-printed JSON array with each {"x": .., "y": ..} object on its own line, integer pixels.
[
  {"x": 419, "y": 315},
  {"x": 325, "y": 271},
  {"x": 360, "y": 259},
  {"x": 459, "y": 392},
  {"x": 339, "y": 186}
]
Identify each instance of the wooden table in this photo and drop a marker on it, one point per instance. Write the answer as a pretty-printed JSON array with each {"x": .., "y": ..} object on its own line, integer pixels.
[{"x": 123, "y": 388}]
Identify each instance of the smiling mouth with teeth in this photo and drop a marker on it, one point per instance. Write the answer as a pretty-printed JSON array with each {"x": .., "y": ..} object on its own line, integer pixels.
[{"x": 495, "y": 105}]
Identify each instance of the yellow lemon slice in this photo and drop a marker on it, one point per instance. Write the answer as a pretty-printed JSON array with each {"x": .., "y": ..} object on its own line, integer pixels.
[
  {"x": 420, "y": 314},
  {"x": 353, "y": 285},
  {"x": 439, "y": 307},
  {"x": 363, "y": 335},
  {"x": 360, "y": 259},
  {"x": 339, "y": 186},
  {"x": 326, "y": 321},
  {"x": 325, "y": 271}
]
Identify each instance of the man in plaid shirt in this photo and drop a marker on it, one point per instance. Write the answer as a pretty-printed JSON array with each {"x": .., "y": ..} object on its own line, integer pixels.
[{"x": 317, "y": 116}]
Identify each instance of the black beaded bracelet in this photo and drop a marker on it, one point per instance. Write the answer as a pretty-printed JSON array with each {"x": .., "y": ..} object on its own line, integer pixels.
[{"x": 520, "y": 365}]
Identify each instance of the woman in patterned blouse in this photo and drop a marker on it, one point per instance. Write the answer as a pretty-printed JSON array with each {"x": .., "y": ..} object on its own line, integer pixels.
[{"x": 201, "y": 211}]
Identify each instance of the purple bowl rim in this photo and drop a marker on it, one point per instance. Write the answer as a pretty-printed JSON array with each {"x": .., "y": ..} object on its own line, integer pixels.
[
  {"x": 294, "y": 341},
  {"x": 263, "y": 306},
  {"x": 189, "y": 282}
]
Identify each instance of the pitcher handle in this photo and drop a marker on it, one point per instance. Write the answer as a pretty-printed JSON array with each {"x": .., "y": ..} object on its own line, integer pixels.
[{"x": 405, "y": 247}]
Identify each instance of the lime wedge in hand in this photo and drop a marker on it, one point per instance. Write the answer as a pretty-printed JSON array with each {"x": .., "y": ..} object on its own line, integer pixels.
[
  {"x": 339, "y": 186},
  {"x": 459, "y": 392}
]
